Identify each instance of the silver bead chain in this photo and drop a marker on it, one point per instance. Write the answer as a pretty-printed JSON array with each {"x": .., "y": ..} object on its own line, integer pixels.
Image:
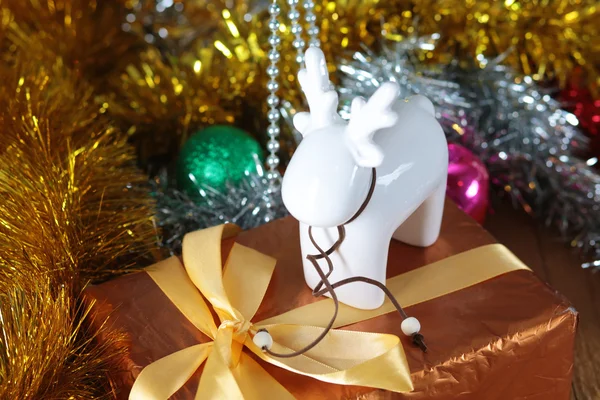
[
  {"x": 272, "y": 100},
  {"x": 296, "y": 29},
  {"x": 311, "y": 23},
  {"x": 299, "y": 44}
]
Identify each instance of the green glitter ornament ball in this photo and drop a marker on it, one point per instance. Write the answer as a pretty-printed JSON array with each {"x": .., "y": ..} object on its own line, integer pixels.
[{"x": 214, "y": 156}]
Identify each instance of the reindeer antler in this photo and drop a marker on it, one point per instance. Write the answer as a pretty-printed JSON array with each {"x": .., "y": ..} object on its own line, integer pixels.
[
  {"x": 322, "y": 98},
  {"x": 366, "y": 119}
]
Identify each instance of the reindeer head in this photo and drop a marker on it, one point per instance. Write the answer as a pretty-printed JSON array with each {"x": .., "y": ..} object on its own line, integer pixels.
[{"x": 329, "y": 175}]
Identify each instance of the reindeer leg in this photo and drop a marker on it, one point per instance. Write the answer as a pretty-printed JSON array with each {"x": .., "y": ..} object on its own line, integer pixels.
[{"x": 422, "y": 227}]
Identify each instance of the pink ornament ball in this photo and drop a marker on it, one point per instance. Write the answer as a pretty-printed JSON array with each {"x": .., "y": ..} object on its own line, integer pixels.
[{"x": 468, "y": 182}]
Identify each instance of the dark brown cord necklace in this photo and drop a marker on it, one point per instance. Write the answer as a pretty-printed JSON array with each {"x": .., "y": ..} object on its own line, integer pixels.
[{"x": 318, "y": 291}]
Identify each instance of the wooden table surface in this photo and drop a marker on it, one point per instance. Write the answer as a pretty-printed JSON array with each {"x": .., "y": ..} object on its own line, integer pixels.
[{"x": 540, "y": 248}]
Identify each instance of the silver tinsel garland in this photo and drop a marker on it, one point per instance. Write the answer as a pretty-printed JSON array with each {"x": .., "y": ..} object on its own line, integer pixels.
[
  {"x": 532, "y": 148},
  {"x": 248, "y": 203}
]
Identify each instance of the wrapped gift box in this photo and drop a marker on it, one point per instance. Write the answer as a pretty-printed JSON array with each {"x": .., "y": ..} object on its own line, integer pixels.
[{"x": 510, "y": 337}]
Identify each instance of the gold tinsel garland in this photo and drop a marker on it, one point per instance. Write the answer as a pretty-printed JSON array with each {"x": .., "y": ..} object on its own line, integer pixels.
[
  {"x": 67, "y": 178},
  {"x": 86, "y": 34},
  {"x": 176, "y": 94},
  {"x": 46, "y": 350},
  {"x": 546, "y": 39},
  {"x": 73, "y": 209},
  {"x": 209, "y": 76}
]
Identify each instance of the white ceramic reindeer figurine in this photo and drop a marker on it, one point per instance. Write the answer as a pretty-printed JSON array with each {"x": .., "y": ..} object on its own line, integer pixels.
[{"x": 329, "y": 177}]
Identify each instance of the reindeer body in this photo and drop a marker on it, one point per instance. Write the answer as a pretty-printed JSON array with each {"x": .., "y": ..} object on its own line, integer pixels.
[
  {"x": 407, "y": 203},
  {"x": 326, "y": 184}
]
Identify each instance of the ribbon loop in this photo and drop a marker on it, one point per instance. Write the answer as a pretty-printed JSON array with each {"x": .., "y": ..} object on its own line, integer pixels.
[{"x": 202, "y": 261}]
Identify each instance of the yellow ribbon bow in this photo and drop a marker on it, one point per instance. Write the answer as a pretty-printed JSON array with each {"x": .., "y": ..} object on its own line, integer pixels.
[{"x": 235, "y": 293}]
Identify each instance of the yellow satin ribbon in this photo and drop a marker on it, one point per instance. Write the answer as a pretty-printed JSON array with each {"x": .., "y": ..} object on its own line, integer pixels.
[{"x": 235, "y": 293}]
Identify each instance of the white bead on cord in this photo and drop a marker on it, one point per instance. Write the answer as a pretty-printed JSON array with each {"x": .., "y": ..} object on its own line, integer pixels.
[
  {"x": 410, "y": 326},
  {"x": 263, "y": 340}
]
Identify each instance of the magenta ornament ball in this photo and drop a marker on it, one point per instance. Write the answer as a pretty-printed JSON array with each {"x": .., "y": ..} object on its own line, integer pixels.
[{"x": 468, "y": 182}]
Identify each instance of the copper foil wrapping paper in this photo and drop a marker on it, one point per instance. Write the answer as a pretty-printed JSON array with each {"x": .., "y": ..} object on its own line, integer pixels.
[{"x": 510, "y": 337}]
